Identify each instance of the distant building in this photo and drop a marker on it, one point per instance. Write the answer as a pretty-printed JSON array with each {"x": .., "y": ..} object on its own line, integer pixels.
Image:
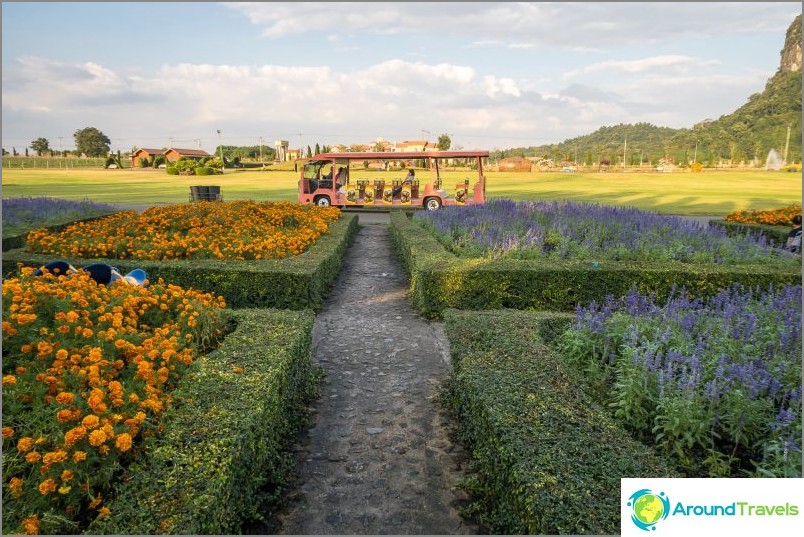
[
  {"x": 144, "y": 153},
  {"x": 173, "y": 154},
  {"x": 281, "y": 147}
]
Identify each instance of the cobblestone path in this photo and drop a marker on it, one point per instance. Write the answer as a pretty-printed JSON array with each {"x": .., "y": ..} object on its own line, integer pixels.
[{"x": 378, "y": 458}]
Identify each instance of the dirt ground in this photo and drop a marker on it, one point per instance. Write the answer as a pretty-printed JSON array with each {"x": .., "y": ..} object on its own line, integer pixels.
[{"x": 378, "y": 458}]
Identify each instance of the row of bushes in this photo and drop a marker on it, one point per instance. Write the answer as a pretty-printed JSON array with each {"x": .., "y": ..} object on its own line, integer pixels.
[
  {"x": 201, "y": 170},
  {"x": 223, "y": 457},
  {"x": 298, "y": 282},
  {"x": 440, "y": 280},
  {"x": 547, "y": 456}
]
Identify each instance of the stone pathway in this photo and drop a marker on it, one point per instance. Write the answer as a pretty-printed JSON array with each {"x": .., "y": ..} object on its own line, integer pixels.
[{"x": 378, "y": 458}]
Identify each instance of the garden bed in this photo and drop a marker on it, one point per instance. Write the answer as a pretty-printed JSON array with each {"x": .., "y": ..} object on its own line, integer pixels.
[
  {"x": 223, "y": 457},
  {"x": 294, "y": 282},
  {"x": 440, "y": 279},
  {"x": 88, "y": 370},
  {"x": 547, "y": 455}
]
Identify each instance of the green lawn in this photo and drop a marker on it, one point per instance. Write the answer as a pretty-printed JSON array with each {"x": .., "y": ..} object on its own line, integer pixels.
[{"x": 711, "y": 193}]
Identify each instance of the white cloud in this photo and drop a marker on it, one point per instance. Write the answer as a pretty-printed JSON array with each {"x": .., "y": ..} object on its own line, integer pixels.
[
  {"x": 667, "y": 64},
  {"x": 585, "y": 25},
  {"x": 395, "y": 99}
]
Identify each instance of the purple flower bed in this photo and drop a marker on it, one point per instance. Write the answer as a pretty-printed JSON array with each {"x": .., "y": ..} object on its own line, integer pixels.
[
  {"x": 589, "y": 232},
  {"x": 716, "y": 382},
  {"x": 22, "y": 214}
]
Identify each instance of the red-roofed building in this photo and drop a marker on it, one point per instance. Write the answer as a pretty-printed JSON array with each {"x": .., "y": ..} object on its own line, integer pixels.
[
  {"x": 173, "y": 154},
  {"x": 144, "y": 153}
]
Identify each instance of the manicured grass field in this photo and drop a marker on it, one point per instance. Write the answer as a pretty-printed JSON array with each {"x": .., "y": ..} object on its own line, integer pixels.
[{"x": 710, "y": 193}]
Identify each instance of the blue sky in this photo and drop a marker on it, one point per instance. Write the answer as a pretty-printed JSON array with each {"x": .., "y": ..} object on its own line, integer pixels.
[{"x": 491, "y": 75}]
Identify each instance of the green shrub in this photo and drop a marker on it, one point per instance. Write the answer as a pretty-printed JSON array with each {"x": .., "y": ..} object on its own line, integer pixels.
[
  {"x": 297, "y": 282},
  {"x": 203, "y": 170},
  {"x": 223, "y": 457},
  {"x": 775, "y": 235},
  {"x": 440, "y": 280},
  {"x": 172, "y": 170},
  {"x": 144, "y": 162},
  {"x": 549, "y": 459},
  {"x": 159, "y": 160}
]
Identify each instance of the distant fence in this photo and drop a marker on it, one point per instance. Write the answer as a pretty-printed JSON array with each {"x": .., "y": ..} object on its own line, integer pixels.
[{"x": 54, "y": 162}]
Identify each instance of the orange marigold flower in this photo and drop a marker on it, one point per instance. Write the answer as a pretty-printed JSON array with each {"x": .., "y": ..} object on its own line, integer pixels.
[
  {"x": 15, "y": 485},
  {"x": 64, "y": 489},
  {"x": 31, "y": 525},
  {"x": 74, "y": 435},
  {"x": 91, "y": 421},
  {"x": 8, "y": 432},
  {"x": 67, "y": 475},
  {"x": 95, "y": 502},
  {"x": 9, "y": 379},
  {"x": 97, "y": 437},
  {"x": 54, "y": 457},
  {"x": 25, "y": 349},
  {"x": 104, "y": 512},
  {"x": 71, "y": 317},
  {"x": 47, "y": 486},
  {"x": 123, "y": 442},
  {"x": 61, "y": 354},
  {"x": 79, "y": 456},
  {"x": 65, "y": 398},
  {"x": 25, "y": 443},
  {"x": 64, "y": 415},
  {"x": 33, "y": 457}
]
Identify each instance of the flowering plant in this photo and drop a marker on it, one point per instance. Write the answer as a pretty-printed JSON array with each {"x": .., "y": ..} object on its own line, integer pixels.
[
  {"x": 782, "y": 216},
  {"x": 207, "y": 230},
  {"x": 717, "y": 382},
  {"x": 87, "y": 372}
]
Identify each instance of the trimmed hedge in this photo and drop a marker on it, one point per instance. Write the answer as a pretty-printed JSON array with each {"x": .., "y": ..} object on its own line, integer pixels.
[
  {"x": 224, "y": 454},
  {"x": 549, "y": 459},
  {"x": 776, "y": 235},
  {"x": 298, "y": 282},
  {"x": 441, "y": 280}
]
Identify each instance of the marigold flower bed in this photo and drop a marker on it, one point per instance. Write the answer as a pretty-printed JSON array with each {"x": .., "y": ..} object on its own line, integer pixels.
[
  {"x": 772, "y": 217},
  {"x": 87, "y": 372},
  {"x": 208, "y": 230}
]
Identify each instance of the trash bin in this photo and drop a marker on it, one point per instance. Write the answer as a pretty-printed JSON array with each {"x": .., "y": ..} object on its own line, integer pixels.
[{"x": 214, "y": 193}]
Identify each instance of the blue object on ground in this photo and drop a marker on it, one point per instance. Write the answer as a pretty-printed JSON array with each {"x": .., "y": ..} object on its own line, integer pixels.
[
  {"x": 136, "y": 277},
  {"x": 102, "y": 273},
  {"x": 58, "y": 268}
]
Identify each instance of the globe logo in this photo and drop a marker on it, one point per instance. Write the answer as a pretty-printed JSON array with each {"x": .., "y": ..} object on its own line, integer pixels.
[{"x": 648, "y": 508}]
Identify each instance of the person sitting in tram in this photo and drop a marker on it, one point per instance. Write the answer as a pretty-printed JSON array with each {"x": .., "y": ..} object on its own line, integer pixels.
[
  {"x": 408, "y": 181},
  {"x": 340, "y": 177}
]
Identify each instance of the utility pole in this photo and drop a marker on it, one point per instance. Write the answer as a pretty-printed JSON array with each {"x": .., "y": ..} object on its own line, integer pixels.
[
  {"x": 786, "y": 146},
  {"x": 260, "y": 149},
  {"x": 170, "y": 140},
  {"x": 695, "y": 155},
  {"x": 198, "y": 143},
  {"x": 625, "y": 144},
  {"x": 220, "y": 145}
]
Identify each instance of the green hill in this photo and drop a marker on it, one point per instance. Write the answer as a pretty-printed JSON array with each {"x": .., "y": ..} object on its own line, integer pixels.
[{"x": 744, "y": 136}]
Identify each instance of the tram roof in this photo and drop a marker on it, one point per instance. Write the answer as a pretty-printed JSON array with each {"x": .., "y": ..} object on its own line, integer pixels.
[{"x": 399, "y": 155}]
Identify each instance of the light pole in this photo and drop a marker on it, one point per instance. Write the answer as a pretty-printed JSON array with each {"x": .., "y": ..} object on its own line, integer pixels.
[
  {"x": 260, "y": 149},
  {"x": 695, "y": 154},
  {"x": 220, "y": 145}
]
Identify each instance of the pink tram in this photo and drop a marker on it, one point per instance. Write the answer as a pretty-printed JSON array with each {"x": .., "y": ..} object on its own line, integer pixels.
[{"x": 328, "y": 179}]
